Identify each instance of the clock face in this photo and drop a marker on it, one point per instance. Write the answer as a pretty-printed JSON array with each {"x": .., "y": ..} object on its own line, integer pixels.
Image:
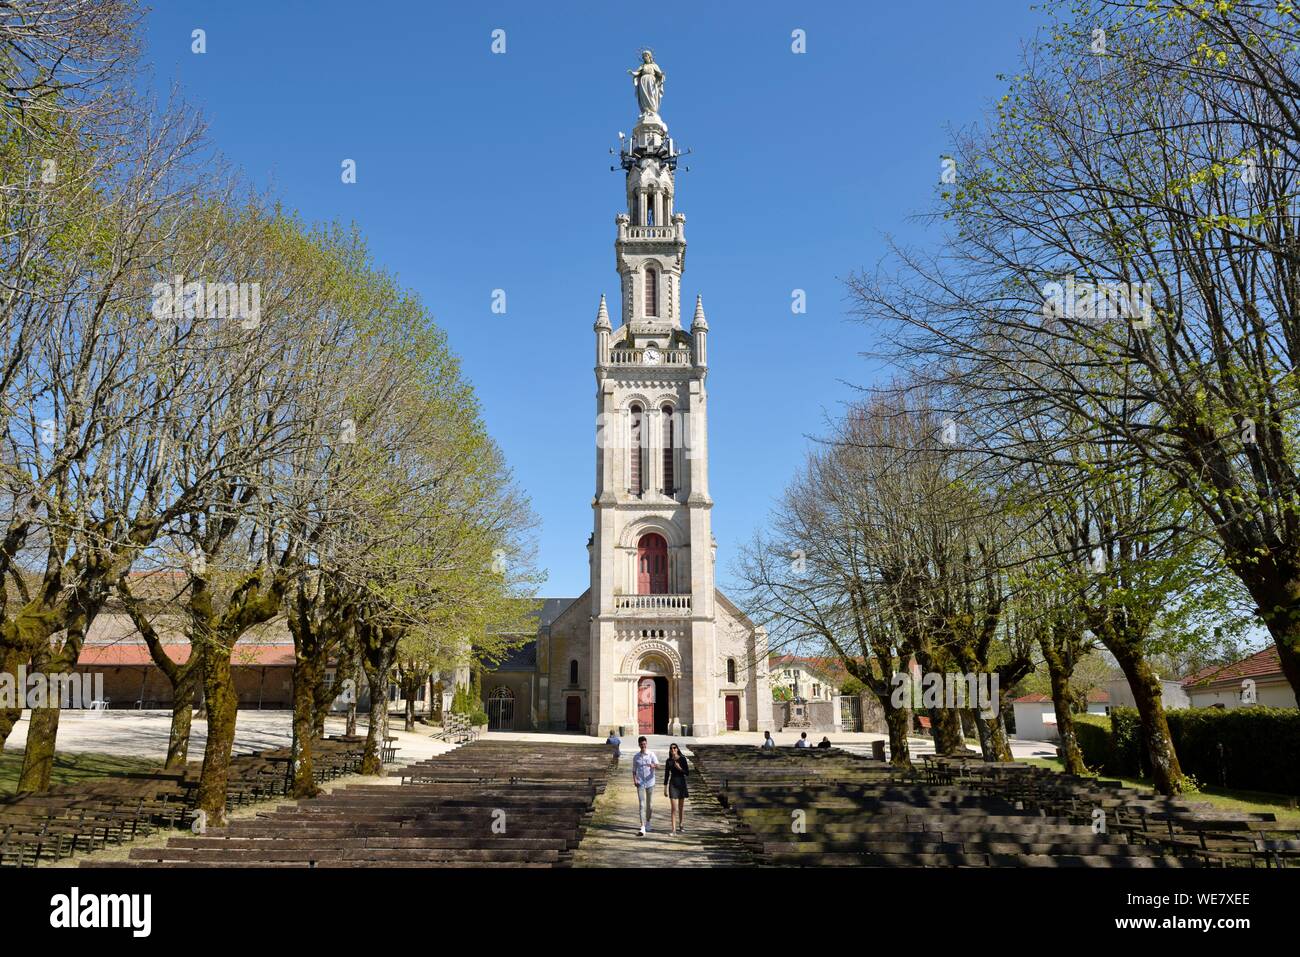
[{"x": 652, "y": 355}]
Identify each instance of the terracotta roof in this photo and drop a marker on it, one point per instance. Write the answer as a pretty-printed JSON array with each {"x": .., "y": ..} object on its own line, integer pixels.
[
  {"x": 1262, "y": 664},
  {"x": 135, "y": 653},
  {"x": 117, "y": 626},
  {"x": 1095, "y": 696},
  {"x": 1200, "y": 673}
]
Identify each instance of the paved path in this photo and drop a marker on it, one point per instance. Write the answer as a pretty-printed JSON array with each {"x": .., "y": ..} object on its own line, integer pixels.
[{"x": 612, "y": 839}]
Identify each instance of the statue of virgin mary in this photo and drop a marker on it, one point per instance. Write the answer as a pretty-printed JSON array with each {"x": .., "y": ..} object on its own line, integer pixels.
[{"x": 649, "y": 82}]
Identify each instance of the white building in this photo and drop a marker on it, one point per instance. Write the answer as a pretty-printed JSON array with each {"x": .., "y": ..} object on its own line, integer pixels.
[
  {"x": 1257, "y": 680},
  {"x": 1036, "y": 715},
  {"x": 813, "y": 679},
  {"x": 1172, "y": 694}
]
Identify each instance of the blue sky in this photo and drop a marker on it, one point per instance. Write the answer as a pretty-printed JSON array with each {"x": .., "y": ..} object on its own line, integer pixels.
[{"x": 479, "y": 171}]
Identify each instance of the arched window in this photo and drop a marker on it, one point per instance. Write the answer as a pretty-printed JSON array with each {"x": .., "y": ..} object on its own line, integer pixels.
[
  {"x": 634, "y": 472},
  {"x": 669, "y": 487},
  {"x": 651, "y": 291},
  {"x": 652, "y": 565},
  {"x": 731, "y": 671},
  {"x": 573, "y": 671}
]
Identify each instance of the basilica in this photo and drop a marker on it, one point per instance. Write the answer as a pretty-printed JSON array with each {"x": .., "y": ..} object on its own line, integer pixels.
[{"x": 652, "y": 646}]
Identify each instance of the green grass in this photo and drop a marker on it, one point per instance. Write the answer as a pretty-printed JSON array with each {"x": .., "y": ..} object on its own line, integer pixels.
[
  {"x": 70, "y": 767},
  {"x": 1229, "y": 799}
]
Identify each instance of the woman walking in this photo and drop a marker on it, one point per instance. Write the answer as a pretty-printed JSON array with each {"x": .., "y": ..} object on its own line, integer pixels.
[{"x": 675, "y": 788}]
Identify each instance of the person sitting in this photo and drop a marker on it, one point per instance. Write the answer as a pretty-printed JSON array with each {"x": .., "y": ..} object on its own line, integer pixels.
[
  {"x": 767, "y": 740},
  {"x": 803, "y": 741},
  {"x": 825, "y": 742}
]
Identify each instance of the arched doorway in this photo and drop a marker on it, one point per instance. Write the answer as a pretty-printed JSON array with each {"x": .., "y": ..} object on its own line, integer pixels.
[
  {"x": 654, "y": 696},
  {"x": 652, "y": 565},
  {"x": 501, "y": 709},
  {"x": 652, "y": 705}
]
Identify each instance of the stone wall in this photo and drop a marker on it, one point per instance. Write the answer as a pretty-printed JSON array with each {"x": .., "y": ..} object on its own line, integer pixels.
[
  {"x": 570, "y": 640},
  {"x": 820, "y": 714}
]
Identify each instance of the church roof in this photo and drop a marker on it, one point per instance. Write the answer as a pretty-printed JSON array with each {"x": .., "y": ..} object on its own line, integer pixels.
[
  {"x": 551, "y": 609},
  {"x": 523, "y": 658},
  {"x": 733, "y": 608}
]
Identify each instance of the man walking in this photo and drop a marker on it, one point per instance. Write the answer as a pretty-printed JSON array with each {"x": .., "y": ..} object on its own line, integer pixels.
[{"x": 644, "y": 763}]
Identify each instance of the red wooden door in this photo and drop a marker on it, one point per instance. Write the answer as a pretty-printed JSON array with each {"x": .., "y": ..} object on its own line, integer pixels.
[
  {"x": 573, "y": 713},
  {"x": 652, "y": 565},
  {"x": 645, "y": 706},
  {"x": 733, "y": 713}
]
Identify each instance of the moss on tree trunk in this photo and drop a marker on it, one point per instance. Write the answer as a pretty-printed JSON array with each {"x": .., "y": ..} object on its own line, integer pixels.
[
  {"x": 994, "y": 744},
  {"x": 1166, "y": 773},
  {"x": 38, "y": 758},
  {"x": 1071, "y": 755},
  {"x": 13, "y": 658},
  {"x": 945, "y": 729},
  {"x": 178, "y": 737},
  {"x": 898, "y": 721},
  {"x": 373, "y": 762},
  {"x": 304, "y": 722},
  {"x": 223, "y": 706}
]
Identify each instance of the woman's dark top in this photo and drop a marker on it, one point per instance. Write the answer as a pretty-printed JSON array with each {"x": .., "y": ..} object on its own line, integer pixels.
[{"x": 677, "y": 769}]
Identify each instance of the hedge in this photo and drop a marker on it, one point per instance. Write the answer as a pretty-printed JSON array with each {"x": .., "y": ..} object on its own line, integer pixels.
[
  {"x": 1093, "y": 734},
  {"x": 1253, "y": 749},
  {"x": 1257, "y": 749}
]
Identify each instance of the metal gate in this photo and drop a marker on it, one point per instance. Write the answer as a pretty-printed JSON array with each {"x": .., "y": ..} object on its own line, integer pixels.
[
  {"x": 850, "y": 712},
  {"x": 501, "y": 710}
]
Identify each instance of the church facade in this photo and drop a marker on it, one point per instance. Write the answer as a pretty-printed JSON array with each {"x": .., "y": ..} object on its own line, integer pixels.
[{"x": 652, "y": 646}]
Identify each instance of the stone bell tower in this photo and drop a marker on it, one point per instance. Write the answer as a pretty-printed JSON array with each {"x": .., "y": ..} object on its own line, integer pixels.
[{"x": 655, "y": 662}]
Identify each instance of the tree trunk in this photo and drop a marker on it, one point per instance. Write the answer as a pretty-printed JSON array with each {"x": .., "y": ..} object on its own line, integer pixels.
[
  {"x": 13, "y": 658},
  {"x": 899, "y": 723},
  {"x": 373, "y": 762},
  {"x": 1060, "y": 679},
  {"x": 1166, "y": 774},
  {"x": 994, "y": 745},
  {"x": 322, "y": 698},
  {"x": 410, "y": 713},
  {"x": 304, "y": 725},
  {"x": 223, "y": 706},
  {"x": 1287, "y": 639},
  {"x": 351, "y": 729},
  {"x": 1277, "y": 600},
  {"x": 178, "y": 738},
  {"x": 42, "y": 731},
  {"x": 38, "y": 759},
  {"x": 945, "y": 729}
]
